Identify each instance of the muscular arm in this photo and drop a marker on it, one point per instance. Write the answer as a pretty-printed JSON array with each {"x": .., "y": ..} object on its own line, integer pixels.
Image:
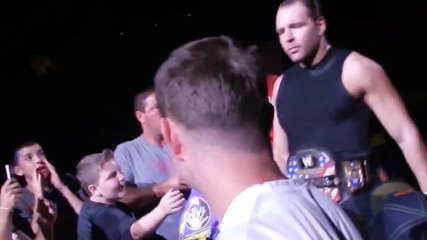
[
  {"x": 366, "y": 78},
  {"x": 141, "y": 197},
  {"x": 280, "y": 140},
  {"x": 138, "y": 198}
]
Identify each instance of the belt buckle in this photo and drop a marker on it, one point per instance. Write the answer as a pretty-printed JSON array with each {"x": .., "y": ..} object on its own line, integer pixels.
[{"x": 354, "y": 175}]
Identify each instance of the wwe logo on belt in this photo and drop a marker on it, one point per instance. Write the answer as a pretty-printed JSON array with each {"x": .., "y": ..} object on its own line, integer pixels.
[{"x": 307, "y": 161}]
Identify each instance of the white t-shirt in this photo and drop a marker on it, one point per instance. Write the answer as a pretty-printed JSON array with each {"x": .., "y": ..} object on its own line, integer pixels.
[{"x": 285, "y": 209}]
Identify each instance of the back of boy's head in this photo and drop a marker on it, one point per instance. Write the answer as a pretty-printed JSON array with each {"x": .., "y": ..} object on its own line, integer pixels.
[{"x": 89, "y": 168}]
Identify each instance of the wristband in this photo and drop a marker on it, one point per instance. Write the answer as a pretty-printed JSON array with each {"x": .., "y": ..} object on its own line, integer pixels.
[{"x": 6, "y": 209}]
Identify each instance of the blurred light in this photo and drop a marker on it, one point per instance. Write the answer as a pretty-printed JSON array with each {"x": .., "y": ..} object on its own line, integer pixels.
[
  {"x": 189, "y": 15},
  {"x": 41, "y": 64},
  {"x": 121, "y": 33},
  {"x": 155, "y": 25}
]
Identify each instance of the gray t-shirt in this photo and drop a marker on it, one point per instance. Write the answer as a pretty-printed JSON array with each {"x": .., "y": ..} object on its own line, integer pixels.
[
  {"x": 285, "y": 209},
  {"x": 144, "y": 164}
]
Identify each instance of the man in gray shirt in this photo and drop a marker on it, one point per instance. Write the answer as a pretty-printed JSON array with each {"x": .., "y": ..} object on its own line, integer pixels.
[{"x": 146, "y": 163}]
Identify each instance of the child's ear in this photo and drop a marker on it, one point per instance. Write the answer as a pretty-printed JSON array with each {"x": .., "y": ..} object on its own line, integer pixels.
[
  {"x": 18, "y": 171},
  {"x": 92, "y": 189}
]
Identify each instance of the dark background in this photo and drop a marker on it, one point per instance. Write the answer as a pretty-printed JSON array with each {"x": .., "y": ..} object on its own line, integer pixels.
[{"x": 104, "y": 52}]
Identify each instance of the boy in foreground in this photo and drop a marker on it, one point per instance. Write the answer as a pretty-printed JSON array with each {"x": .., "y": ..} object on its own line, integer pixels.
[{"x": 104, "y": 216}]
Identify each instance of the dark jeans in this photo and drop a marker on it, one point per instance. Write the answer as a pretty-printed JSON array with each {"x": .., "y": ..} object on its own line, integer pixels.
[
  {"x": 358, "y": 209},
  {"x": 401, "y": 217}
]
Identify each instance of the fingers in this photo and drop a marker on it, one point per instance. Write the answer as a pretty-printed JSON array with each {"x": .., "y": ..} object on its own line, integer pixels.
[
  {"x": 16, "y": 191},
  {"x": 11, "y": 186},
  {"x": 173, "y": 195},
  {"x": 36, "y": 176},
  {"x": 49, "y": 166},
  {"x": 176, "y": 206},
  {"x": 13, "y": 183}
]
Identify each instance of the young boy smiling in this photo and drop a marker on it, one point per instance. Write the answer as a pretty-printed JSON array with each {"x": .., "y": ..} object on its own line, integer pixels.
[{"x": 104, "y": 216}]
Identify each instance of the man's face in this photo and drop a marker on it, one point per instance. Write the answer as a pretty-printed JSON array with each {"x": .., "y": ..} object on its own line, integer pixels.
[
  {"x": 151, "y": 116},
  {"x": 30, "y": 158},
  {"x": 111, "y": 183},
  {"x": 299, "y": 34}
]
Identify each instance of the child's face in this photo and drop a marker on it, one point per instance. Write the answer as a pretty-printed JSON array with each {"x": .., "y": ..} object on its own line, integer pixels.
[
  {"x": 29, "y": 158},
  {"x": 111, "y": 183}
]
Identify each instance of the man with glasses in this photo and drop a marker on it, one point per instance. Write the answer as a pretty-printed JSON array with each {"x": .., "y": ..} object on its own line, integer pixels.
[{"x": 146, "y": 164}]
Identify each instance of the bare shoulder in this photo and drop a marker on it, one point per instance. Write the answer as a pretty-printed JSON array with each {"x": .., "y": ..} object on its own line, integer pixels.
[
  {"x": 276, "y": 88},
  {"x": 277, "y": 84},
  {"x": 360, "y": 72}
]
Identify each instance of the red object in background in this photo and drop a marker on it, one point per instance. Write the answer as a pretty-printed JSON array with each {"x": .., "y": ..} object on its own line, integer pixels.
[{"x": 271, "y": 79}]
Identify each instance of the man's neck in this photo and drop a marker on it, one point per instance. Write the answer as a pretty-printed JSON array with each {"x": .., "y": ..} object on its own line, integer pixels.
[
  {"x": 237, "y": 173},
  {"x": 318, "y": 55},
  {"x": 153, "y": 139}
]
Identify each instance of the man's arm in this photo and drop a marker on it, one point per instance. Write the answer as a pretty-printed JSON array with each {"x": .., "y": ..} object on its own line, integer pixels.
[
  {"x": 280, "y": 140},
  {"x": 136, "y": 197},
  {"x": 140, "y": 197},
  {"x": 364, "y": 77}
]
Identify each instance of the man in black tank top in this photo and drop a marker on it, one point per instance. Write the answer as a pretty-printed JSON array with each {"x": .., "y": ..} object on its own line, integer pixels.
[{"x": 325, "y": 100}]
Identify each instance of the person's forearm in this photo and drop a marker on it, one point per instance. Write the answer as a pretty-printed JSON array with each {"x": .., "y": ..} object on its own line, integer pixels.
[
  {"x": 415, "y": 153},
  {"x": 45, "y": 233},
  {"x": 148, "y": 224},
  {"x": 138, "y": 198},
  {"x": 34, "y": 224},
  {"x": 6, "y": 226},
  {"x": 71, "y": 198}
]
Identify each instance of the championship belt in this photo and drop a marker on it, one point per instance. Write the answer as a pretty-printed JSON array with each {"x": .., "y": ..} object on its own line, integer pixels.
[{"x": 336, "y": 178}]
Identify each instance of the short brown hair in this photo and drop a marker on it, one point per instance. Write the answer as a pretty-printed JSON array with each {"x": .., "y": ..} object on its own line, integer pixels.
[
  {"x": 214, "y": 83},
  {"x": 313, "y": 7},
  {"x": 89, "y": 167},
  {"x": 139, "y": 100}
]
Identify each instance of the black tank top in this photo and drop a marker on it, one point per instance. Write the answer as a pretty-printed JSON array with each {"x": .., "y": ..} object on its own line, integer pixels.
[{"x": 315, "y": 109}]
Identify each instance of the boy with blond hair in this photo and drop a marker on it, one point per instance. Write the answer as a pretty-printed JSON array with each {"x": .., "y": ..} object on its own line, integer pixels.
[{"x": 104, "y": 216}]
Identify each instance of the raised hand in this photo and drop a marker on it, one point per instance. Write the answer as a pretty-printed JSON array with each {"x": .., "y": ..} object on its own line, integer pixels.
[
  {"x": 10, "y": 193},
  {"x": 54, "y": 177},
  {"x": 172, "y": 202},
  {"x": 37, "y": 185}
]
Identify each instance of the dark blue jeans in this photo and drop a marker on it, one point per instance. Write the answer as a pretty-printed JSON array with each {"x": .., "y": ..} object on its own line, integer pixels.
[
  {"x": 358, "y": 209},
  {"x": 401, "y": 217}
]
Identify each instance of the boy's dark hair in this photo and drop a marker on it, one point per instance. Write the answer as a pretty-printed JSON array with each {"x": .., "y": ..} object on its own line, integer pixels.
[
  {"x": 19, "y": 145},
  {"x": 89, "y": 167},
  {"x": 215, "y": 84},
  {"x": 313, "y": 7}
]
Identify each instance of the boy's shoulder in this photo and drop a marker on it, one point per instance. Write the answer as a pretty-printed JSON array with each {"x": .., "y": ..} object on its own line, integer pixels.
[
  {"x": 108, "y": 221},
  {"x": 94, "y": 210}
]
